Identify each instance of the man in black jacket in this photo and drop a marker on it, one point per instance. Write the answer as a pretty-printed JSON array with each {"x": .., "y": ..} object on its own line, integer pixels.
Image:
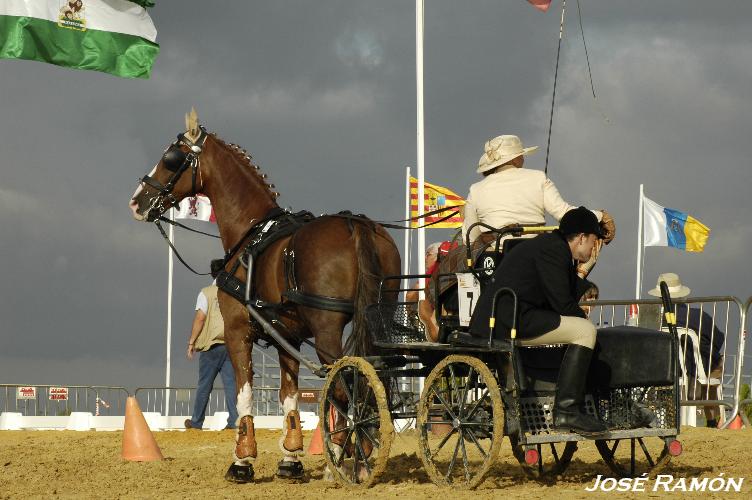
[{"x": 548, "y": 275}]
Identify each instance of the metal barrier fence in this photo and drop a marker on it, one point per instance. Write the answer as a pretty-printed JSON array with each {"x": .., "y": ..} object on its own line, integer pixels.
[
  {"x": 56, "y": 400},
  {"x": 181, "y": 400},
  {"x": 727, "y": 316},
  {"x": 741, "y": 405}
]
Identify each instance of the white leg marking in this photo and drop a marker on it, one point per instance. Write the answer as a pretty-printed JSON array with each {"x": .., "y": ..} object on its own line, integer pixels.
[
  {"x": 245, "y": 401},
  {"x": 290, "y": 403},
  {"x": 244, "y": 404}
]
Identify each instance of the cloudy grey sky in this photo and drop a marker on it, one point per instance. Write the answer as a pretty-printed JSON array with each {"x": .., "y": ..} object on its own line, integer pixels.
[{"x": 323, "y": 95}]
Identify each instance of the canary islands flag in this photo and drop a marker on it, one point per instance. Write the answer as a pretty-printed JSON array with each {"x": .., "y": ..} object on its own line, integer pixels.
[
  {"x": 436, "y": 197},
  {"x": 668, "y": 227},
  {"x": 113, "y": 36}
]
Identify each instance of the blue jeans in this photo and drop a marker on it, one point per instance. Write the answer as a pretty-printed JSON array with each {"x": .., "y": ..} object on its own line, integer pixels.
[{"x": 210, "y": 363}]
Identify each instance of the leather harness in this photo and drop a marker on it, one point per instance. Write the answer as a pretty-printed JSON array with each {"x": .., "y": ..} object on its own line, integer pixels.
[{"x": 277, "y": 224}]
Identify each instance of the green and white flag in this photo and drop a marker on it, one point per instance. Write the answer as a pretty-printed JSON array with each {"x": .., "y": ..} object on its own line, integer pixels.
[{"x": 113, "y": 36}]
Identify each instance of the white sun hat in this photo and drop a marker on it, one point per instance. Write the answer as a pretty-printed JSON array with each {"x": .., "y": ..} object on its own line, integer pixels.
[
  {"x": 675, "y": 287},
  {"x": 500, "y": 150}
]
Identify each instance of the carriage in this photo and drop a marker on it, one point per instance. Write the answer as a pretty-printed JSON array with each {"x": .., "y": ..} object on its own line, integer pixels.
[
  {"x": 291, "y": 277},
  {"x": 478, "y": 390}
]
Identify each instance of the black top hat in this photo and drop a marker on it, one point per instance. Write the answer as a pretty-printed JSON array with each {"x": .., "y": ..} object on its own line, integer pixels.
[{"x": 580, "y": 220}]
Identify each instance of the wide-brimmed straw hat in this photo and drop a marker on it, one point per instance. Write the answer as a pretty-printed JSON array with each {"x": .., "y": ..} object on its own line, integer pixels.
[
  {"x": 500, "y": 150},
  {"x": 675, "y": 287}
]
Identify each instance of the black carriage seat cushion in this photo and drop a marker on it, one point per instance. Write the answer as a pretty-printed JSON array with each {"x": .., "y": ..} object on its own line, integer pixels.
[{"x": 628, "y": 356}]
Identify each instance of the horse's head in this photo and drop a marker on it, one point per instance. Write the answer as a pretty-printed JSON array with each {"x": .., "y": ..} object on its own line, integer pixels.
[{"x": 174, "y": 177}]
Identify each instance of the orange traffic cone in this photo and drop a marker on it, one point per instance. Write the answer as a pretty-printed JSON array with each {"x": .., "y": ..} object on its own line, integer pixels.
[
  {"x": 139, "y": 444},
  {"x": 317, "y": 443},
  {"x": 735, "y": 424}
]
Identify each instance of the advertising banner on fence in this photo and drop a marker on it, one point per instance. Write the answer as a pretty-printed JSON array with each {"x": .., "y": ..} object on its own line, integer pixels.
[
  {"x": 26, "y": 393},
  {"x": 58, "y": 394}
]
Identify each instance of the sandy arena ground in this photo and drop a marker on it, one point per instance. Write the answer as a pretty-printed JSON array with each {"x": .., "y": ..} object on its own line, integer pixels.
[{"x": 88, "y": 465}]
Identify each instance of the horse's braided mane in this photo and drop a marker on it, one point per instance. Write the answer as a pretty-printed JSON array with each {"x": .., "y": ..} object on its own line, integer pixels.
[{"x": 245, "y": 158}]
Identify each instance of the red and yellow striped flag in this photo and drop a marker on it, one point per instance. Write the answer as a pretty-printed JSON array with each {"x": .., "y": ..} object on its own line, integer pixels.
[{"x": 436, "y": 197}]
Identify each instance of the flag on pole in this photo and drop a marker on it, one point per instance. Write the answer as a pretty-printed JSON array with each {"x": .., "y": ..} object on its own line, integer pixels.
[
  {"x": 668, "y": 227},
  {"x": 113, "y": 36},
  {"x": 436, "y": 197},
  {"x": 541, "y": 5},
  {"x": 197, "y": 207}
]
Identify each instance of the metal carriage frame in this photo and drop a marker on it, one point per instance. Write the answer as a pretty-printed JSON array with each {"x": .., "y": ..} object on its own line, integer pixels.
[{"x": 473, "y": 387}]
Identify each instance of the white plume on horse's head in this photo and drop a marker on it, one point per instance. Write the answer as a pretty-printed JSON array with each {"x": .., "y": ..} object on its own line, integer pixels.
[{"x": 192, "y": 130}]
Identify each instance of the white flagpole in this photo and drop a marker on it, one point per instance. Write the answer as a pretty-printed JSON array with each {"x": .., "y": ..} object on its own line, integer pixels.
[
  {"x": 406, "y": 260},
  {"x": 169, "y": 314},
  {"x": 419, "y": 27},
  {"x": 421, "y": 150},
  {"x": 641, "y": 213}
]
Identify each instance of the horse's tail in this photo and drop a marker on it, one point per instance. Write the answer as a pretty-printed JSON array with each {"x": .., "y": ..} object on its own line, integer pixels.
[{"x": 359, "y": 343}]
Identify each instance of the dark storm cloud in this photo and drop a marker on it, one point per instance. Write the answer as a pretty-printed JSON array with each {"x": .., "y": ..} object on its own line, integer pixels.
[{"x": 323, "y": 95}]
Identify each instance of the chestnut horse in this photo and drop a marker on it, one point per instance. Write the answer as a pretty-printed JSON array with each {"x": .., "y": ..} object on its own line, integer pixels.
[{"x": 335, "y": 257}]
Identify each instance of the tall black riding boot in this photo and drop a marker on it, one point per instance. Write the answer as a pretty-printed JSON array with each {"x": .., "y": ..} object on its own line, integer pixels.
[{"x": 569, "y": 406}]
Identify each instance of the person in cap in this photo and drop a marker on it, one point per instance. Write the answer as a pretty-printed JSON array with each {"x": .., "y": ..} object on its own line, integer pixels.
[
  {"x": 710, "y": 348},
  {"x": 548, "y": 275},
  {"x": 510, "y": 194}
]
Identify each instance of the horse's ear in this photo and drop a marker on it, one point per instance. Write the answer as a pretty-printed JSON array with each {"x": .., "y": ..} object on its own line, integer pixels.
[{"x": 191, "y": 125}]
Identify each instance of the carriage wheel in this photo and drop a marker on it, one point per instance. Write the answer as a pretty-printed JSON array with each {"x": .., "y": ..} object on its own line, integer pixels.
[
  {"x": 553, "y": 458},
  {"x": 355, "y": 422},
  {"x": 632, "y": 457},
  {"x": 462, "y": 394}
]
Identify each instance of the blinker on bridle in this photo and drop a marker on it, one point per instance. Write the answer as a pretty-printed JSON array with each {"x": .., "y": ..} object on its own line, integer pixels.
[{"x": 176, "y": 161}]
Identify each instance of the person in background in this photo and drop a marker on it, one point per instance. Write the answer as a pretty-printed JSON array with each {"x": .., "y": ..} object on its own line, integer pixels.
[
  {"x": 208, "y": 339},
  {"x": 425, "y": 312},
  {"x": 711, "y": 344}
]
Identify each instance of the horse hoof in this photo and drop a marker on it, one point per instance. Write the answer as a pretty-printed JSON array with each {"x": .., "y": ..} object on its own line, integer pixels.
[
  {"x": 290, "y": 470},
  {"x": 239, "y": 473}
]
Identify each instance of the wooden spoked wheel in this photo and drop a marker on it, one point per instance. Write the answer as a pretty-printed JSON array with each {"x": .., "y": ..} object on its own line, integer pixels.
[
  {"x": 356, "y": 425},
  {"x": 460, "y": 399},
  {"x": 632, "y": 457},
  {"x": 553, "y": 458}
]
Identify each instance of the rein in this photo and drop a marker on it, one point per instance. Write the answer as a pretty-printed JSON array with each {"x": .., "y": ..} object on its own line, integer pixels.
[
  {"x": 175, "y": 250},
  {"x": 276, "y": 212},
  {"x": 388, "y": 224},
  {"x": 183, "y": 226}
]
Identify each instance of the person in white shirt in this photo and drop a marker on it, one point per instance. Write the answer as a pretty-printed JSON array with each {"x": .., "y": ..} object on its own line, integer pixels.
[{"x": 509, "y": 194}]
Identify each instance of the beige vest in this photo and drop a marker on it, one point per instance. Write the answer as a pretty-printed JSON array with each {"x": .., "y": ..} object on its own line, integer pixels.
[{"x": 213, "y": 331}]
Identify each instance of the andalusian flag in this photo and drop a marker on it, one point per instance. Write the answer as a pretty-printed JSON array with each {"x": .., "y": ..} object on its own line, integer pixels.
[
  {"x": 436, "y": 197},
  {"x": 666, "y": 227},
  {"x": 113, "y": 36}
]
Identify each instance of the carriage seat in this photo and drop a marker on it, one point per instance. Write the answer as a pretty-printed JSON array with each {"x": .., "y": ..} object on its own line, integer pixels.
[
  {"x": 623, "y": 357},
  {"x": 628, "y": 356}
]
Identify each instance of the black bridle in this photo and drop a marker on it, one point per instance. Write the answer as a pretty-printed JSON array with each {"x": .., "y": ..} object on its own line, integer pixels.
[{"x": 176, "y": 161}]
